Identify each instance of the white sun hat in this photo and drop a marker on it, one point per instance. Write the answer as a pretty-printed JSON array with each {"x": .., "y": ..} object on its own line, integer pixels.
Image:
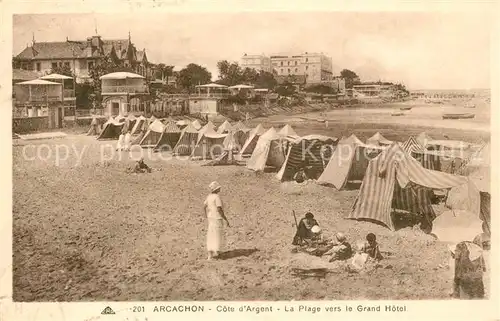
[{"x": 316, "y": 229}]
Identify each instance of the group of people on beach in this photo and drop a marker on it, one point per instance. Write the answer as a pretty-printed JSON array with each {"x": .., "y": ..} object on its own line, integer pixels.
[
  {"x": 309, "y": 235},
  {"x": 468, "y": 268}
]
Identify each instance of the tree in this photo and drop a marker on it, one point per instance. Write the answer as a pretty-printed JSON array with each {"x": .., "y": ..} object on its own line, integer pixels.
[
  {"x": 266, "y": 80},
  {"x": 164, "y": 72},
  {"x": 402, "y": 88},
  {"x": 350, "y": 77},
  {"x": 62, "y": 70},
  {"x": 287, "y": 89},
  {"x": 230, "y": 74},
  {"x": 321, "y": 89},
  {"x": 192, "y": 76}
]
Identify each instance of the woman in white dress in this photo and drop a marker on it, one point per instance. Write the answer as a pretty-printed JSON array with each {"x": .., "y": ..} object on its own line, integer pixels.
[
  {"x": 215, "y": 215},
  {"x": 127, "y": 141},
  {"x": 121, "y": 142}
]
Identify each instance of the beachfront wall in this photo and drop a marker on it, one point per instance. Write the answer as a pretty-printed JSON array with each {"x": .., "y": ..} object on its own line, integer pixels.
[
  {"x": 204, "y": 106},
  {"x": 31, "y": 124}
]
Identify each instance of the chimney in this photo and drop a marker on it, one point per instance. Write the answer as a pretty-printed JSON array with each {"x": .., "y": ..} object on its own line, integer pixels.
[{"x": 95, "y": 41}]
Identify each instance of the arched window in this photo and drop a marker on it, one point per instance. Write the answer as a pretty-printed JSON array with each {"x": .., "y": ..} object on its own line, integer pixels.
[{"x": 282, "y": 63}]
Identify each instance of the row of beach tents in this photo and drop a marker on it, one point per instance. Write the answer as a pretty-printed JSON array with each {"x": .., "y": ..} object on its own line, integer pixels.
[{"x": 399, "y": 176}]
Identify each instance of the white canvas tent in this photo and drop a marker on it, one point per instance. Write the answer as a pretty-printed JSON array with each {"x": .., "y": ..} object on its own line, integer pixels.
[
  {"x": 139, "y": 125},
  {"x": 169, "y": 137},
  {"x": 270, "y": 150},
  {"x": 96, "y": 126},
  {"x": 378, "y": 140},
  {"x": 288, "y": 131},
  {"x": 252, "y": 139},
  {"x": 187, "y": 141},
  {"x": 153, "y": 134},
  {"x": 224, "y": 128},
  {"x": 348, "y": 163},
  {"x": 209, "y": 145},
  {"x": 112, "y": 128},
  {"x": 196, "y": 124}
]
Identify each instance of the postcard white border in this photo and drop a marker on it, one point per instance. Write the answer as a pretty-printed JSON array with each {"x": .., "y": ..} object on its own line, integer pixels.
[{"x": 416, "y": 310}]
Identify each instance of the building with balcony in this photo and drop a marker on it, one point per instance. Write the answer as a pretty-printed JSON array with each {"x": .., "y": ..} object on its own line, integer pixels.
[
  {"x": 208, "y": 99},
  {"x": 81, "y": 55},
  {"x": 373, "y": 90},
  {"x": 39, "y": 98},
  {"x": 123, "y": 93},
  {"x": 257, "y": 62},
  {"x": 315, "y": 67}
]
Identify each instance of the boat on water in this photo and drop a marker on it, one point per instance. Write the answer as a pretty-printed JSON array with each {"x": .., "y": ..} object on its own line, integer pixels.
[
  {"x": 470, "y": 106},
  {"x": 397, "y": 114},
  {"x": 458, "y": 116},
  {"x": 406, "y": 108}
]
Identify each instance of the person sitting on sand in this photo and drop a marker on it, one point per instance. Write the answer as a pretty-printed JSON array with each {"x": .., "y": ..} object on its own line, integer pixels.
[
  {"x": 371, "y": 247},
  {"x": 300, "y": 176},
  {"x": 342, "y": 250},
  {"x": 141, "y": 167},
  {"x": 304, "y": 229}
]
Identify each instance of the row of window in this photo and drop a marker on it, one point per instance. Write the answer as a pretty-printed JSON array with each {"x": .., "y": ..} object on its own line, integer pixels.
[
  {"x": 296, "y": 69},
  {"x": 60, "y": 64}
]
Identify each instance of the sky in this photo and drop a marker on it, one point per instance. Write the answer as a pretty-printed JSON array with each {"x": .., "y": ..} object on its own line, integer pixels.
[{"x": 421, "y": 50}]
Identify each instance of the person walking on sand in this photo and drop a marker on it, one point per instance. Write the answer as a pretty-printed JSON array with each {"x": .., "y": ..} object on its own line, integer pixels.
[{"x": 213, "y": 209}]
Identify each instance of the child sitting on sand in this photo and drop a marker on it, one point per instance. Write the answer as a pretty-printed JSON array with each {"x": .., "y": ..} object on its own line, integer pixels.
[{"x": 371, "y": 247}]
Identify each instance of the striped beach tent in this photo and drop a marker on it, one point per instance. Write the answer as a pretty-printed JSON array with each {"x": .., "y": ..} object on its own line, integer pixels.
[
  {"x": 307, "y": 150},
  {"x": 187, "y": 141},
  {"x": 415, "y": 149},
  {"x": 348, "y": 162},
  {"x": 411, "y": 145},
  {"x": 396, "y": 181},
  {"x": 169, "y": 137}
]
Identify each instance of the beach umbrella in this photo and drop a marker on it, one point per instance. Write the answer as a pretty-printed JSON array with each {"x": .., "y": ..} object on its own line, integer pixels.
[{"x": 455, "y": 226}]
